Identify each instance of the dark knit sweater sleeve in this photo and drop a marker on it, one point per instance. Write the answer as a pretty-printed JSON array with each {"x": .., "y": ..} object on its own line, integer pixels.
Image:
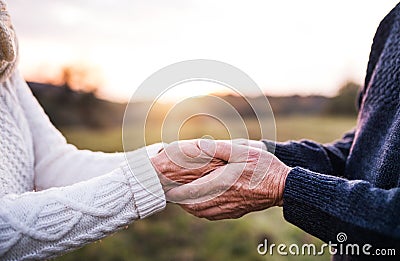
[
  {"x": 320, "y": 204},
  {"x": 352, "y": 185},
  {"x": 323, "y": 158}
]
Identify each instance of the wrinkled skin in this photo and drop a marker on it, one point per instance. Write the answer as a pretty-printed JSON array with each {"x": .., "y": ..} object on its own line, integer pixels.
[
  {"x": 183, "y": 162},
  {"x": 253, "y": 180}
]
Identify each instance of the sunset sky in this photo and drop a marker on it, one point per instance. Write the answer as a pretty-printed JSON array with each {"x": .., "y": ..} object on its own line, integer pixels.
[{"x": 287, "y": 47}]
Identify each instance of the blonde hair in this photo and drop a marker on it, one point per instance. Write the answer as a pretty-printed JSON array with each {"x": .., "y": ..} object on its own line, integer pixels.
[{"x": 8, "y": 43}]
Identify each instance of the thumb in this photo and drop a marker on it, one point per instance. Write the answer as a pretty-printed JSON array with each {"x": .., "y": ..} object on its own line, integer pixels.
[
  {"x": 216, "y": 149},
  {"x": 225, "y": 150}
]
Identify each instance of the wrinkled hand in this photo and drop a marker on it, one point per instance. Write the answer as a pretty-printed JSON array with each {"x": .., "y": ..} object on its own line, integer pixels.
[
  {"x": 253, "y": 180},
  {"x": 182, "y": 162}
]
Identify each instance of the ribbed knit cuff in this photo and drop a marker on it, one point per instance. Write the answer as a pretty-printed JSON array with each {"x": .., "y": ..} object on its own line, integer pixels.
[
  {"x": 145, "y": 184},
  {"x": 287, "y": 152},
  {"x": 306, "y": 201}
]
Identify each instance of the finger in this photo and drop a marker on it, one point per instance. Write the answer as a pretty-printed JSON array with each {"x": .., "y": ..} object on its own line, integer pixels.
[
  {"x": 207, "y": 187},
  {"x": 199, "y": 207},
  {"x": 216, "y": 213},
  {"x": 252, "y": 143},
  {"x": 188, "y": 193},
  {"x": 212, "y": 213},
  {"x": 244, "y": 142},
  {"x": 187, "y": 155},
  {"x": 216, "y": 149},
  {"x": 227, "y": 151},
  {"x": 189, "y": 148}
]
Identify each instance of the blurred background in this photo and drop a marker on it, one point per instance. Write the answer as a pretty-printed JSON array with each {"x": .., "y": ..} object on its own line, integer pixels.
[{"x": 84, "y": 59}]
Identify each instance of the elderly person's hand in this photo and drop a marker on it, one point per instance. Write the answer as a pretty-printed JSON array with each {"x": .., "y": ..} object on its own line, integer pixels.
[
  {"x": 182, "y": 162},
  {"x": 252, "y": 180}
]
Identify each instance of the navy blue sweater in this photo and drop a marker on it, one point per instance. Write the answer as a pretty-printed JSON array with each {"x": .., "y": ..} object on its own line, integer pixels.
[{"x": 352, "y": 185}]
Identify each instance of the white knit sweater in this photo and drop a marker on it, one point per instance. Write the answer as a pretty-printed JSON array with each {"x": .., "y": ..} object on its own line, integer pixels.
[{"x": 53, "y": 197}]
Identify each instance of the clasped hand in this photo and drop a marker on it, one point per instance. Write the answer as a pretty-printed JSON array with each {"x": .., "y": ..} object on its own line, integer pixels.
[{"x": 221, "y": 179}]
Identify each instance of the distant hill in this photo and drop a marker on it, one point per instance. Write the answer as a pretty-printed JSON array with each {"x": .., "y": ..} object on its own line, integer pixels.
[
  {"x": 67, "y": 108},
  {"x": 285, "y": 105}
]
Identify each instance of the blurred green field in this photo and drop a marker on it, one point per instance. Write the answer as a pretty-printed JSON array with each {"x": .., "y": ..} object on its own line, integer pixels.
[{"x": 175, "y": 235}]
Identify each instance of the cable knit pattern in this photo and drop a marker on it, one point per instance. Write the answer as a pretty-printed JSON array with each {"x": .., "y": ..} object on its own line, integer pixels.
[
  {"x": 51, "y": 216},
  {"x": 53, "y": 197},
  {"x": 85, "y": 195}
]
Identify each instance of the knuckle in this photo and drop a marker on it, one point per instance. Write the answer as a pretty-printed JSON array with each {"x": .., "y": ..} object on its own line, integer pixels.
[
  {"x": 254, "y": 153},
  {"x": 192, "y": 194}
]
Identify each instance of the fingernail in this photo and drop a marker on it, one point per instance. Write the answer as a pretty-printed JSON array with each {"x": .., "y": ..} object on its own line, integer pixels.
[{"x": 204, "y": 144}]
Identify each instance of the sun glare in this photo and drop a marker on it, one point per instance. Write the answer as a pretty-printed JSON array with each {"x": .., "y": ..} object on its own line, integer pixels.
[
  {"x": 193, "y": 89},
  {"x": 287, "y": 47}
]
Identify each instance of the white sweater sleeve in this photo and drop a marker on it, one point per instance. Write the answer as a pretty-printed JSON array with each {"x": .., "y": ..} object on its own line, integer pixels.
[
  {"x": 85, "y": 196},
  {"x": 57, "y": 163},
  {"x": 39, "y": 225}
]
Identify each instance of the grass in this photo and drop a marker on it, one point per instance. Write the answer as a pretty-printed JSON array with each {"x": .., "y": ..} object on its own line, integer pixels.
[
  {"x": 321, "y": 129},
  {"x": 175, "y": 235}
]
